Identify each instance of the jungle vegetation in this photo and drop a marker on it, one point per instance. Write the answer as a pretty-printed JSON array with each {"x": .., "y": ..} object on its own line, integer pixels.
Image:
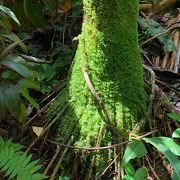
[{"x": 79, "y": 88}]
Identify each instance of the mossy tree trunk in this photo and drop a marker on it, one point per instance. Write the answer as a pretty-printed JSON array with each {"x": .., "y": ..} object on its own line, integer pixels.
[{"x": 108, "y": 48}]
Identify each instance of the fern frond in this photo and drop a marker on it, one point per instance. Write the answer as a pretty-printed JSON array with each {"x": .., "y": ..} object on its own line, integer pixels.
[{"x": 16, "y": 163}]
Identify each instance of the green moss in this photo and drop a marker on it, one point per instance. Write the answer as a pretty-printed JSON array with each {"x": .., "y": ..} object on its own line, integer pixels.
[{"x": 108, "y": 46}]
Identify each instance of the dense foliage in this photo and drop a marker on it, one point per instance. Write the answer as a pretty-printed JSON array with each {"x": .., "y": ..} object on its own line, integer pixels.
[{"x": 94, "y": 100}]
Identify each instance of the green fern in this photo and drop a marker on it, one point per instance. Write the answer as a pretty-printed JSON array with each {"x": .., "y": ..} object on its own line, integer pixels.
[{"x": 16, "y": 163}]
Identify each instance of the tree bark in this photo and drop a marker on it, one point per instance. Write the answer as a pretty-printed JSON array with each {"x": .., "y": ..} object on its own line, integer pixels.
[{"x": 108, "y": 51}]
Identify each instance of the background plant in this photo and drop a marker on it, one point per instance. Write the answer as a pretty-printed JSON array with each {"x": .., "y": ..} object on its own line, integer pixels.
[
  {"x": 15, "y": 163},
  {"x": 169, "y": 147},
  {"x": 16, "y": 76}
]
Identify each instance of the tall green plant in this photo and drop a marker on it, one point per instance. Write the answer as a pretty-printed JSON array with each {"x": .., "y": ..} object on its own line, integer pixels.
[{"x": 15, "y": 74}]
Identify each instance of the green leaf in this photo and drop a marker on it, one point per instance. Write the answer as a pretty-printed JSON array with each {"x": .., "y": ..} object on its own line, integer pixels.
[
  {"x": 16, "y": 164},
  {"x": 174, "y": 116},
  {"x": 28, "y": 83},
  {"x": 77, "y": 2},
  {"x": 13, "y": 37},
  {"x": 8, "y": 165},
  {"x": 3, "y": 108},
  {"x": 13, "y": 99},
  {"x": 49, "y": 71},
  {"x": 39, "y": 176},
  {"x": 16, "y": 167},
  {"x": 129, "y": 170},
  {"x": 35, "y": 168},
  {"x": 24, "y": 91},
  {"x": 1, "y": 143},
  {"x": 26, "y": 161},
  {"x": 176, "y": 133},
  {"x": 175, "y": 176},
  {"x": 135, "y": 149},
  {"x": 4, "y": 22},
  {"x": 155, "y": 28},
  {"x": 23, "y": 113},
  {"x": 9, "y": 13},
  {"x": 9, "y": 48},
  {"x": 32, "y": 164},
  {"x": 141, "y": 173},
  {"x": 6, "y": 74},
  {"x": 23, "y": 175},
  {"x": 12, "y": 63},
  {"x": 33, "y": 10},
  {"x": 5, "y": 158},
  {"x": 17, "y": 147},
  {"x": 128, "y": 178},
  {"x": 173, "y": 159},
  {"x": 167, "y": 142}
]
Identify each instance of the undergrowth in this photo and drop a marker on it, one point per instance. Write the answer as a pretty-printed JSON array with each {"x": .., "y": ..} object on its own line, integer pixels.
[{"x": 16, "y": 163}]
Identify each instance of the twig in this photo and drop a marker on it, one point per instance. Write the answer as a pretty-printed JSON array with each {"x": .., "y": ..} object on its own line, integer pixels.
[
  {"x": 152, "y": 169},
  {"x": 160, "y": 34},
  {"x": 153, "y": 87},
  {"x": 104, "y": 147},
  {"x": 39, "y": 112},
  {"x": 165, "y": 60},
  {"x": 177, "y": 59},
  {"x": 60, "y": 161},
  {"x": 47, "y": 127},
  {"x": 120, "y": 162},
  {"x": 91, "y": 87},
  {"x": 153, "y": 78},
  {"x": 102, "y": 174},
  {"x": 118, "y": 167},
  {"x": 90, "y": 170},
  {"x": 55, "y": 90},
  {"x": 52, "y": 160},
  {"x": 171, "y": 87},
  {"x": 35, "y": 60},
  {"x": 64, "y": 28}
]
